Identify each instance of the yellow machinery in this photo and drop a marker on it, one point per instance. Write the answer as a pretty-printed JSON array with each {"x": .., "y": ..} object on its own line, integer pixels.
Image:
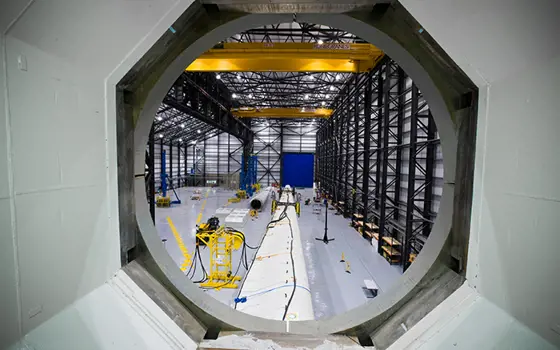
[
  {"x": 288, "y": 57},
  {"x": 241, "y": 194},
  {"x": 234, "y": 200},
  {"x": 252, "y": 112},
  {"x": 163, "y": 201},
  {"x": 221, "y": 242}
]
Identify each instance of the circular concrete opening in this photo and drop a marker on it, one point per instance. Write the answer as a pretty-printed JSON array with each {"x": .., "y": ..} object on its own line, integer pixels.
[{"x": 375, "y": 311}]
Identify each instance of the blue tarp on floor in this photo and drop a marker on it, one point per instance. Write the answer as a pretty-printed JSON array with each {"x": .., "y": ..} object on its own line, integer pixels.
[{"x": 298, "y": 169}]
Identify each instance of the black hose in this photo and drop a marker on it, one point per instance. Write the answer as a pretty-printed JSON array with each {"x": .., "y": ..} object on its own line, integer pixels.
[{"x": 293, "y": 270}]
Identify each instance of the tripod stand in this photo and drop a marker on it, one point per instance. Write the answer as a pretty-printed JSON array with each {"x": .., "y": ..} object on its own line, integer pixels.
[{"x": 326, "y": 238}]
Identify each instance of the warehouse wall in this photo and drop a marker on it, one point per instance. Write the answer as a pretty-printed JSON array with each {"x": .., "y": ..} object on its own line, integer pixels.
[
  {"x": 215, "y": 158},
  {"x": 346, "y": 135},
  {"x": 218, "y": 156},
  {"x": 297, "y": 137}
]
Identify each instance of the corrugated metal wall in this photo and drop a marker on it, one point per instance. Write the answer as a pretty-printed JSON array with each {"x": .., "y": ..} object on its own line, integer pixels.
[
  {"x": 211, "y": 159},
  {"x": 297, "y": 137}
]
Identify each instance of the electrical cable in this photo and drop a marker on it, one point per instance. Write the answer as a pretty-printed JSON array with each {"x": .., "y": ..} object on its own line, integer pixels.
[
  {"x": 283, "y": 215},
  {"x": 280, "y": 218},
  {"x": 293, "y": 270},
  {"x": 205, "y": 274}
]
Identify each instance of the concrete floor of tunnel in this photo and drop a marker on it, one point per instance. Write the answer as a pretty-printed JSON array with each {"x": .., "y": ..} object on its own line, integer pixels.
[{"x": 334, "y": 291}]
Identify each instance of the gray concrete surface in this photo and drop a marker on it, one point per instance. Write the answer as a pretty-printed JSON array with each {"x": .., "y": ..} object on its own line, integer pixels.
[{"x": 334, "y": 290}]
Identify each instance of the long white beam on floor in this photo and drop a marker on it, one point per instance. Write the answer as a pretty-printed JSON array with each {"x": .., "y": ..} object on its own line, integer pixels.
[
  {"x": 276, "y": 286},
  {"x": 259, "y": 200}
]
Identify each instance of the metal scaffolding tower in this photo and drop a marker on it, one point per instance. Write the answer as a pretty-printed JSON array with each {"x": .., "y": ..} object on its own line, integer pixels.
[{"x": 377, "y": 155}]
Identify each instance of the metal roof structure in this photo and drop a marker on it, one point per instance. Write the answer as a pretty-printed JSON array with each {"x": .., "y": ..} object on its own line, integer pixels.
[{"x": 258, "y": 89}]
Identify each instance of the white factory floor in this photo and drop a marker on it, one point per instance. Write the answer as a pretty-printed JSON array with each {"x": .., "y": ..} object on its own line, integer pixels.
[{"x": 334, "y": 291}]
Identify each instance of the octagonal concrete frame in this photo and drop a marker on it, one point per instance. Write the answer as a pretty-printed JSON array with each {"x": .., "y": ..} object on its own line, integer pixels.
[{"x": 354, "y": 318}]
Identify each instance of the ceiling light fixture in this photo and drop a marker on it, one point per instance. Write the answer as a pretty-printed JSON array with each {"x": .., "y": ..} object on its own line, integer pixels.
[
  {"x": 233, "y": 95},
  {"x": 337, "y": 77},
  {"x": 320, "y": 42},
  {"x": 180, "y": 140},
  {"x": 331, "y": 88},
  {"x": 199, "y": 131},
  {"x": 250, "y": 96},
  {"x": 159, "y": 118},
  {"x": 160, "y": 136},
  {"x": 183, "y": 126},
  {"x": 323, "y": 103},
  {"x": 238, "y": 77},
  {"x": 218, "y": 76},
  {"x": 307, "y": 97}
]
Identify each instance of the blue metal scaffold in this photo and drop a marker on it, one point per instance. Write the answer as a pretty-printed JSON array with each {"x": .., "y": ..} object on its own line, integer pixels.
[
  {"x": 166, "y": 184},
  {"x": 248, "y": 177}
]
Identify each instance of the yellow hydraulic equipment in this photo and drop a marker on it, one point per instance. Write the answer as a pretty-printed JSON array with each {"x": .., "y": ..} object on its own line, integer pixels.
[
  {"x": 221, "y": 242},
  {"x": 234, "y": 200},
  {"x": 288, "y": 57},
  {"x": 257, "y": 187},
  {"x": 253, "y": 213},
  {"x": 252, "y": 112},
  {"x": 298, "y": 208},
  {"x": 163, "y": 201},
  {"x": 273, "y": 206},
  {"x": 241, "y": 194}
]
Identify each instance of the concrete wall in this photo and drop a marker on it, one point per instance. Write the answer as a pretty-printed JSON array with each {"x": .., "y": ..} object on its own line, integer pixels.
[
  {"x": 466, "y": 321},
  {"x": 116, "y": 315},
  {"x": 59, "y": 235},
  {"x": 510, "y": 49}
]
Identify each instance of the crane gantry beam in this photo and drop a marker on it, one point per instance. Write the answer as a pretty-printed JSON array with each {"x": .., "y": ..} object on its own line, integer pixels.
[
  {"x": 288, "y": 57},
  {"x": 281, "y": 113}
]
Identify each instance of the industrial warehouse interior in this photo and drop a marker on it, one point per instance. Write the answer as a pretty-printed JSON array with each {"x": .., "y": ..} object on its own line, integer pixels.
[
  {"x": 248, "y": 174},
  {"x": 350, "y": 139}
]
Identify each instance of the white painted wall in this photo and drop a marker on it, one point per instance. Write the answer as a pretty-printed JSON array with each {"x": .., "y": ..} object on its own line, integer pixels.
[
  {"x": 466, "y": 321},
  {"x": 510, "y": 49},
  {"x": 116, "y": 315},
  {"x": 59, "y": 214}
]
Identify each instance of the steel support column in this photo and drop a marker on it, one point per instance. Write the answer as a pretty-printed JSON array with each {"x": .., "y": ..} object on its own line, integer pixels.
[
  {"x": 204, "y": 163},
  {"x": 347, "y": 151},
  {"x": 171, "y": 179},
  {"x": 411, "y": 186},
  {"x": 430, "y": 159},
  {"x": 356, "y": 143},
  {"x": 152, "y": 177},
  {"x": 384, "y": 155},
  {"x": 399, "y": 140},
  {"x": 367, "y": 146}
]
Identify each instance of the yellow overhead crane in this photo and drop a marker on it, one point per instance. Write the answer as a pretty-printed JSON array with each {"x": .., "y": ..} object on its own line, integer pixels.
[
  {"x": 288, "y": 57},
  {"x": 252, "y": 112}
]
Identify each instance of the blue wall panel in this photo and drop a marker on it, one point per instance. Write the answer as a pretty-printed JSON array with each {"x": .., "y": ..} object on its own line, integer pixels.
[{"x": 298, "y": 169}]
